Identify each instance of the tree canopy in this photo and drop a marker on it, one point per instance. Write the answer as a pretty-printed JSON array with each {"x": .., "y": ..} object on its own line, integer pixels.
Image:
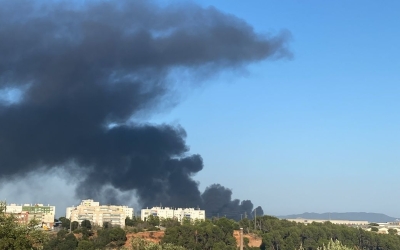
[
  {"x": 203, "y": 235},
  {"x": 86, "y": 224},
  {"x": 18, "y": 236},
  {"x": 286, "y": 235}
]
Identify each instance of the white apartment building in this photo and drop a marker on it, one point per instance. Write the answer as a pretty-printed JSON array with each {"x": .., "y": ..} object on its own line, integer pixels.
[
  {"x": 99, "y": 214},
  {"x": 27, "y": 212},
  {"x": 174, "y": 213}
]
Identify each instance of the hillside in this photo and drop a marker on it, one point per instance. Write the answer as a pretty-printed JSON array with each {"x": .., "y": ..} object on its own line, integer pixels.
[
  {"x": 254, "y": 240},
  {"x": 153, "y": 236},
  {"x": 371, "y": 217},
  {"x": 156, "y": 237}
]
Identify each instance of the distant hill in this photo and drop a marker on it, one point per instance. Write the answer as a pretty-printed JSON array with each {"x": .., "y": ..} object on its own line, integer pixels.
[{"x": 370, "y": 217}]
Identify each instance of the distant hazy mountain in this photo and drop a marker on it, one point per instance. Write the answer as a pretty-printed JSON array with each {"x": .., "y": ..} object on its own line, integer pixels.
[{"x": 371, "y": 217}]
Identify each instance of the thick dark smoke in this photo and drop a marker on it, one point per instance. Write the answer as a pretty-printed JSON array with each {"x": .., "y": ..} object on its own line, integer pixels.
[
  {"x": 258, "y": 211},
  {"x": 218, "y": 203},
  {"x": 85, "y": 71}
]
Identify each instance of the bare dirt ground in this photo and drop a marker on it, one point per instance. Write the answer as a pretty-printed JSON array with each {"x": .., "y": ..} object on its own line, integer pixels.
[
  {"x": 254, "y": 241},
  {"x": 156, "y": 236}
]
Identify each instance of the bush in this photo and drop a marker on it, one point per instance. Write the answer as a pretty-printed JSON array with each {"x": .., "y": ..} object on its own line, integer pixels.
[
  {"x": 332, "y": 245},
  {"x": 153, "y": 229},
  {"x": 69, "y": 243},
  {"x": 74, "y": 225},
  {"x": 61, "y": 234},
  {"x": 107, "y": 225},
  {"x": 374, "y": 229},
  {"x": 85, "y": 245},
  {"x": 114, "y": 237},
  {"x": 86, "y": 224},
  {"x": 141, "y": 244}
]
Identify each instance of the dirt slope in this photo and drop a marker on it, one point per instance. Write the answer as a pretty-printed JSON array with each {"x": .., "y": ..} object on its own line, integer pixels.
[
  {"x": 156, "y": 236},
  {"x": 254, "y": 241}
]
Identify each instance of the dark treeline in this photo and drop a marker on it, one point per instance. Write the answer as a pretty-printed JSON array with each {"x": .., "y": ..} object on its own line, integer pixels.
[
  {"x": 276, "y": 234},
  {"x": 285, "y": 235},
  {"x": 209, "y": 234},
  {"x": 105, "y": 237}
]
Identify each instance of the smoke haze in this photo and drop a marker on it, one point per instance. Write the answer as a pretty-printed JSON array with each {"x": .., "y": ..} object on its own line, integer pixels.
[{"x": 73, "y": 78}]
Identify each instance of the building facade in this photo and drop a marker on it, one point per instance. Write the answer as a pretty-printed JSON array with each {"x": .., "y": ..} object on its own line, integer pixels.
[
  {"x": 99, "y": 214},
  {"x": 174, "y": 213},
  {"x": 27, "y": 212}
]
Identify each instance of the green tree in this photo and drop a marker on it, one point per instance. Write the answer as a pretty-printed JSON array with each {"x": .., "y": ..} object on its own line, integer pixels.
[
  {"x": 392, "y": 231},
  {"x": 117, "y": 235},
  {"x": 374, "y": 229},
  {"x": 107, "y": 225},
  {"x": 168, "y": 246},
  {"x": 52, "y": 244},
  {"x": 112, "y": 237},
  {"x": 226, "y": 225},
  {"x": 153, "y": 220},
  {"x": 285, "y": 235},
  {"x": 141, "y": 244},
  {"x": 334, "y": 245},
  {"x": 102, "y": 239},
  {"x": 247, "y": 225},
  {"x": 65, "y": 223},
  {"x": 86, "y": 233},
  {"x": 132, "y": 222},
  {"x": 74, "y": 225},
  {"x": 186, "y": 221},
  {"x": 169, "y": 222},
  {"x": 202, "y": 235},
  {"x": 85, "y": 245},
  {"x": 62, "y": 233},
  {"x": 86, "y": 224},
  {"x": 16, "y": 236},
  {"x": 69, "y": 243}
]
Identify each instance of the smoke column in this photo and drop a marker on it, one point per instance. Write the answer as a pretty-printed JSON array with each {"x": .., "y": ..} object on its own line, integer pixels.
[{"x": 78, "y": 74}]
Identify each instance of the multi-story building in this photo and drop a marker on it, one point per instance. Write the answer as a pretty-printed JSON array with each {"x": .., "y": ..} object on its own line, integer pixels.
[
  {"x": 99, "y": 214},
  {"x": 27, "y": 212},
  {"x": 174, "y": 213}
]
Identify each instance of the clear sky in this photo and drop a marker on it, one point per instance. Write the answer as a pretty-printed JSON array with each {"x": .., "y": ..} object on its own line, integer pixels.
[
  {"x": 315, "y": 133},
  {"x": 318, "y": 133}
]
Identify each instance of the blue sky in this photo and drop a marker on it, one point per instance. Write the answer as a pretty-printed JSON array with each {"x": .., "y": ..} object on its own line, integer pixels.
[{"x": 317, "y": 133}]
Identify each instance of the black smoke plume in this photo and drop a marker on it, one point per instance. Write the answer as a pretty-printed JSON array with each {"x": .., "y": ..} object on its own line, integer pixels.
[
  {"x": 86, "y": 71},
  {"x": 218, "y": 203}
]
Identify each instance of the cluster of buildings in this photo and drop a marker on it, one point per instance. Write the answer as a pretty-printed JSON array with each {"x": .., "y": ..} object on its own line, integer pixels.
[
  {"x": 115, "y": 215},
  {"x": 382, "y": 228},
  {"x": 174, "y": 213},
  {"x": 97, "y": 214},
  {"x": 24, "y": 213}
]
